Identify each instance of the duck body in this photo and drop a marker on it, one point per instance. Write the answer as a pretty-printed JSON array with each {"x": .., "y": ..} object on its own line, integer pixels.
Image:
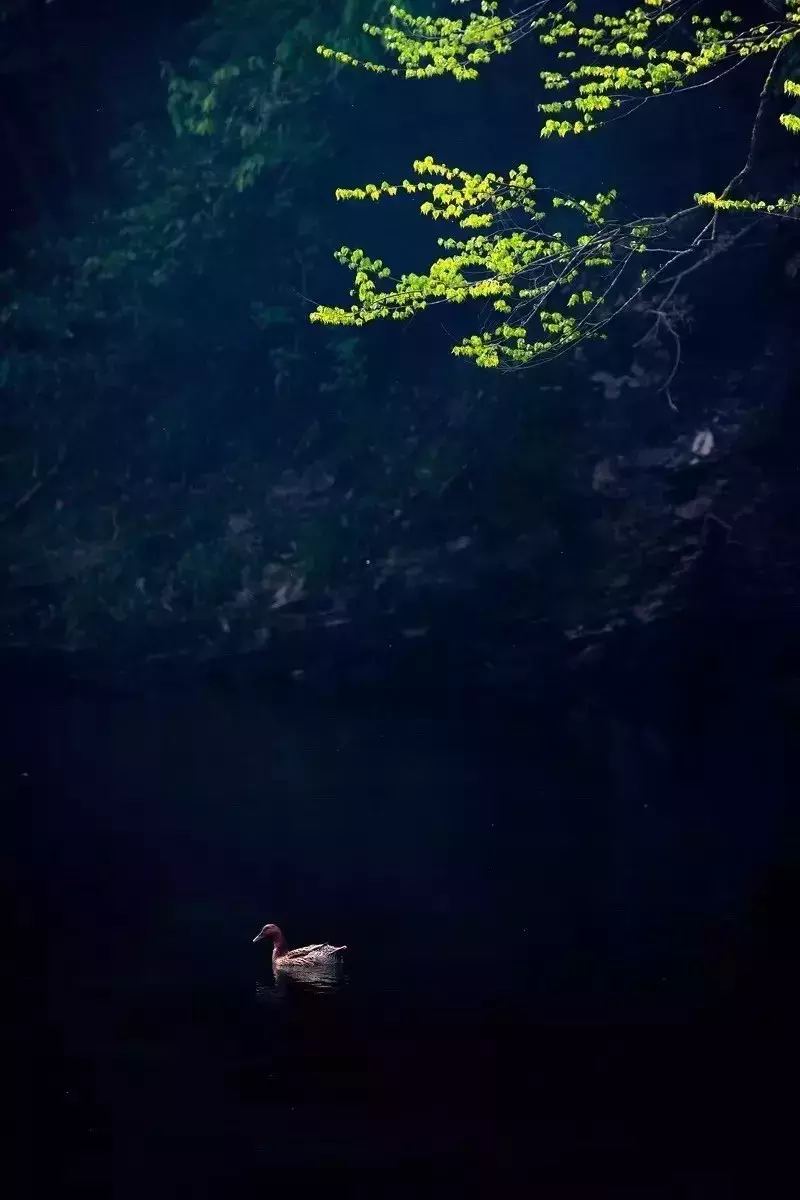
[{"x": 319, "y": 959}]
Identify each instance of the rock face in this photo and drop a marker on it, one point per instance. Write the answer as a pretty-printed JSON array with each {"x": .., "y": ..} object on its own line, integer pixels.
[{"x": 589, "y": 516}]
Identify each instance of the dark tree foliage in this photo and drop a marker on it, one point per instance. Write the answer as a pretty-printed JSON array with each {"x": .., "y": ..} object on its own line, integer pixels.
[{"x": 191, "y": 469}]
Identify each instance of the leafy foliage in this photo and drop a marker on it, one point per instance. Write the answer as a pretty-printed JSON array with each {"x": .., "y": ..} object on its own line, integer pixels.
[
  {"x": 554, "y": 288},
  {"x": 79, "y": 309},
  {"x": 164, "y": 493}
]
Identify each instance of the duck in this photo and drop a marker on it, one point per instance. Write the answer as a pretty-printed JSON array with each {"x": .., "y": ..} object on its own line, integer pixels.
[{"x": 317, "y": 960}]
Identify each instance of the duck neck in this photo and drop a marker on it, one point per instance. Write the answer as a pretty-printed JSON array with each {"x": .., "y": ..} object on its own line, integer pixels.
[{"x": 278, "y": 945}]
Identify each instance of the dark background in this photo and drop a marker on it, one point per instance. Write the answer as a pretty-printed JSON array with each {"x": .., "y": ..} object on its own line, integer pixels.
[
  {"x": 572, "y": 932},
  {"x": 566, "y": 867}
]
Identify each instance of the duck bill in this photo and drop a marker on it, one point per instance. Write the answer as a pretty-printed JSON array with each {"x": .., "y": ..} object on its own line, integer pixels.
[{"x": 258, "y": 938}]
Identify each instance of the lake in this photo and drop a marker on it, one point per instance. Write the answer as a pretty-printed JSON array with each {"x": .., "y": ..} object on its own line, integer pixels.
[{"x": 559, "y": 937}]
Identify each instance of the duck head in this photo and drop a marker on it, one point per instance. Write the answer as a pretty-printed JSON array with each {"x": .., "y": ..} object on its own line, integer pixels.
[{"x": 269, "y": 931}]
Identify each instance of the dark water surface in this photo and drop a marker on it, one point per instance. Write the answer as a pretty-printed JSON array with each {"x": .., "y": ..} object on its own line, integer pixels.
[{"x": 556, "y": 972}]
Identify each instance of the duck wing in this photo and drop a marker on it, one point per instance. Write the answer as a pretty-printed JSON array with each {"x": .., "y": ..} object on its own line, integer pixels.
[{"x": 306, "y": 952}]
